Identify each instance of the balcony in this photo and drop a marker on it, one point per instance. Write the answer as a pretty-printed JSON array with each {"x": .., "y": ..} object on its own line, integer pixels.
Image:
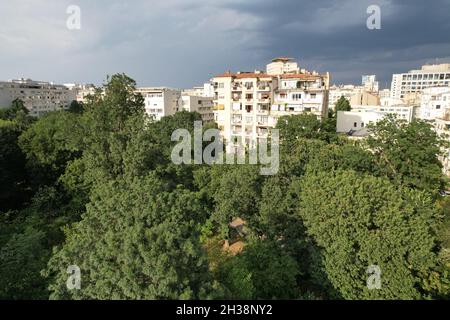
[{"x": 236, "y": 120}]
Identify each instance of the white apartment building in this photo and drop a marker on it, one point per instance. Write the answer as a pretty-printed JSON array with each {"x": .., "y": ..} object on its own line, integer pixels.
[
  {"x": 160, "y": 101},
  {"x": 298, "y": 93},
  {"x": 248, "y": 104},
  {"x": 192, "y": 102},
  {"x": 38, "y": 97},
  {"x": 416, "y": 80},
  {"x": 207, "y": 90},
  {"x": 242, "y": 104},
  {"x": 282, "y": 65},
  {"x": 442, "y": 128},
  {"x": 354, "y": 123},
  {"x": 435, "y": 103}
]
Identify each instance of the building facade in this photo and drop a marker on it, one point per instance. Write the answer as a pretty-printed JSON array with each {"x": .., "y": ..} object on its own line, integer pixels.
[
  {"x": 354, "y": 123},
  {"x": 160, "y": 101},
  {"x": 248, "y": 104},
  {"x": 195, "y": 102},
  {"x": 282, "y": 65},
  {"x": 435, "y": 103},
  {"x": 415, "y": 81},
  {"x": 38, "y": 97}
]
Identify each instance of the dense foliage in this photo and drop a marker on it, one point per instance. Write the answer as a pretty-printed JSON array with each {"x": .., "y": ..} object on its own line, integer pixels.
[{"x": 95, "y": 187}]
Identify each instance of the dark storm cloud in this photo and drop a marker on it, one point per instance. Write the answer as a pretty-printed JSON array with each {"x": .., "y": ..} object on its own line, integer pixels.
[{"x": 184, "y": 42}]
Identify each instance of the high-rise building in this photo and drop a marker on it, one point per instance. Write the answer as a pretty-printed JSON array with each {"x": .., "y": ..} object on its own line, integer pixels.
[
  {"x": 160, "y": 101},
  {"x": 248, "y": 104},
  {"x": 38, "y": 97},
  {"x": 415, "y": 81}
]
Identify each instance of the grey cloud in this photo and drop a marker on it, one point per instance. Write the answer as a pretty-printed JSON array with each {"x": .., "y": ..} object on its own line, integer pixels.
[{"x": 182, "y": 43}]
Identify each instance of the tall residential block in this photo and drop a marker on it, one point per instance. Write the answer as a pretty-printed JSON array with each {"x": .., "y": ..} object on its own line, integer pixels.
[
  {"x": 160, "y": 101},
  {"x": 248, "y": 104},
  {"x": 405, "y": 85}
]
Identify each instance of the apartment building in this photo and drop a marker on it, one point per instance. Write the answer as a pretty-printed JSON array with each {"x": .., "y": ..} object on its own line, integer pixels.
[
  {"x": 346, "y": 91},
  {"x": 298, "y": 93},
  {"x": 354, "y": 123},
  {"x": 442, "y": 128},
  {"x": 248, "y": 104},
  {"x": 160, "y": 101},
  {"x": 414, "y": 81},
  {"x": 38, "y": 97},
  {"x": 435, "y": 103},
  {"x": 242, "y": 105},
  {"x": 282, "y": 65},
  {"x": 193, "y": 101}
]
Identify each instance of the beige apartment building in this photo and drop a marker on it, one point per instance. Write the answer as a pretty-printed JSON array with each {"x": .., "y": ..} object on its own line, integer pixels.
[
  {"x": 193, "y": 101},
  {"x": 248, "y": 104},
  {"x": 39, "y": 97}
]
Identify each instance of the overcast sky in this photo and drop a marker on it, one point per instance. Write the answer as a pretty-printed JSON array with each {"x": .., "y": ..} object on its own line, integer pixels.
[{"x": 182, "y": 43}]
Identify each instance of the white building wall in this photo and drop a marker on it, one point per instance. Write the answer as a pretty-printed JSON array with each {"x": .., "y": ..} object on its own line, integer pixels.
[
  {"x": 416, "y": 80},
  {"x": 160, "y": 102},
  {"x": 435, "y": 102},
  {"x": 354, "y": 121}
]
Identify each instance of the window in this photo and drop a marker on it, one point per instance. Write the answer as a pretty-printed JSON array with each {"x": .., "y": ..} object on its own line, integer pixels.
[
  {"x": 362, "y": 124},
  {"x": 313, "y": 95},
  {"x": 221, "y": 85},
  {"x": 438, "y": 107},
  {"x": 355, "y": 125},
  {"x": 296, "y": 96}
]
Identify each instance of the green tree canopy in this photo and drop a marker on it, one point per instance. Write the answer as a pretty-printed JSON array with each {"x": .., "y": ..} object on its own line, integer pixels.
[{"x": 357, "y": 221}]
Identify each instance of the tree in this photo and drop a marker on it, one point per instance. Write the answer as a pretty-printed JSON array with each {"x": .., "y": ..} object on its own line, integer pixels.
[
  {"x": 17, "y": 109},
  {"x": 261, "y": 271},
  {"x": 139, "y": 244},
  {"x": 359, "y": 221},
  {"x": 13, "y": 178},
  {"x": 76, "y": 107},
  {"x": 407, "y": 153},
  {"x": 342, "y": 105},
  {"x": 306, "y": 126},
  {"x": 236, "y": 192},
  {"x": 49, "y": 144}
]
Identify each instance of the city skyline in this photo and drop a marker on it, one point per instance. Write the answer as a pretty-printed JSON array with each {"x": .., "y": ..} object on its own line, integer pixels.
[{"x": 185, "y": 43}]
